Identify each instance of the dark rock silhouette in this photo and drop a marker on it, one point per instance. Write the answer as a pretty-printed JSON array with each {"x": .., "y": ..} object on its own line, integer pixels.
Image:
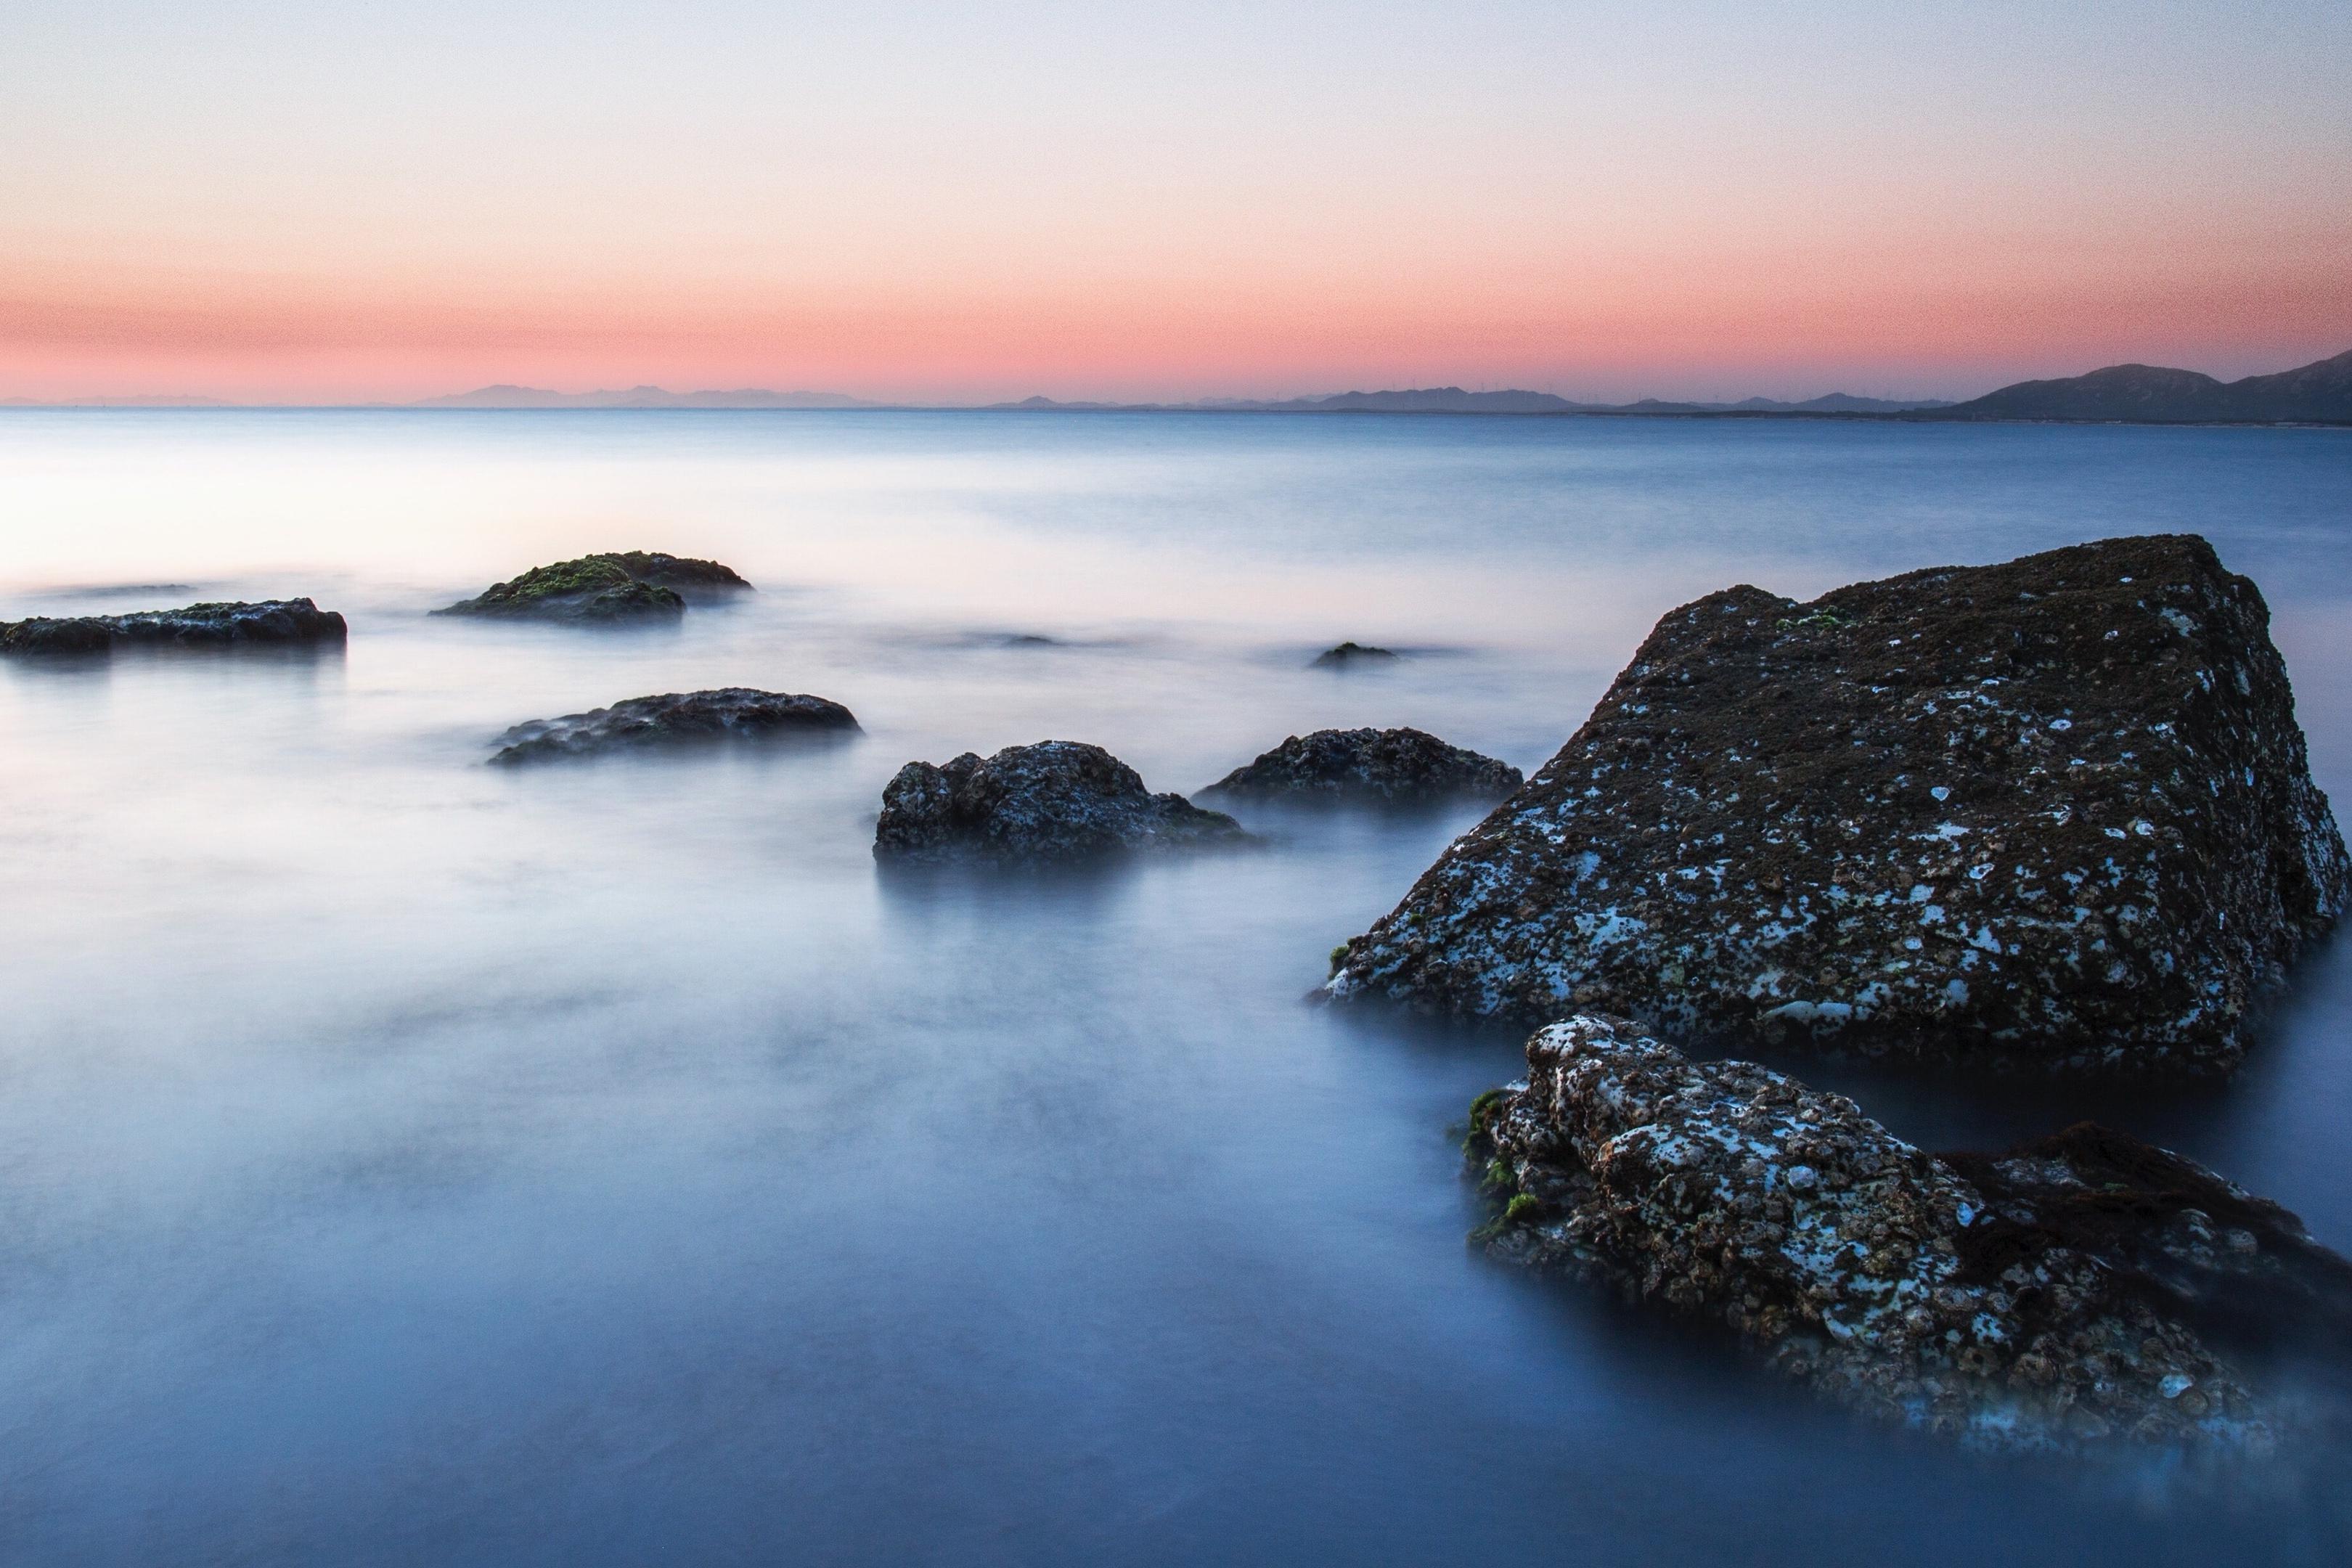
[
  {"x": 1348, "y": 653},
  {"x": 734, "y": 712},
  {"x": 2055, "y": 811},
  {"x": 630, "y": 585},
  {"x": 1391, "y": 766},
  {"x": 1056, "y": 800},
  {"x": 278, "y": 621},
  {"x": 2076, "y": 1290}
]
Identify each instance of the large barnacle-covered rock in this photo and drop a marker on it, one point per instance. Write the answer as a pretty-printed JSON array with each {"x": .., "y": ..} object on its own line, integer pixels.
[
  {"x": 1057, "y": 800},
  {"x": 2056, "y": 811},
  {"x": 2082, "y": 1287}
]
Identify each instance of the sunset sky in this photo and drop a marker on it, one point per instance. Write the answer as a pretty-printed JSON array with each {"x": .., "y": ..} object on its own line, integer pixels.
[{"x": 309, "y": 203}]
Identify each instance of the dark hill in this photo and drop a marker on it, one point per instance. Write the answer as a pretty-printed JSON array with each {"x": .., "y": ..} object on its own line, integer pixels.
[
  {"x": 2143, "y": 393},
  {"x": 2320, "y": 391}
]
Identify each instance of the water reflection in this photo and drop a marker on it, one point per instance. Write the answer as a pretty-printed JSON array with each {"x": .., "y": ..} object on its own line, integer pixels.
[{"x": 409, "y": 1160}]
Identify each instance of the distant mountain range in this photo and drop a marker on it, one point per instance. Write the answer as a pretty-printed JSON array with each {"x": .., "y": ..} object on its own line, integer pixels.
[
  {"x": 2128, "y": 394},
  {"x": 2320, "y": 393},
  {"x": 1454, "y": 400},
  {"x": 2150, "y": 395},
  {"x": 136, "y": 399},
  {"x": 640, "y": 397}
]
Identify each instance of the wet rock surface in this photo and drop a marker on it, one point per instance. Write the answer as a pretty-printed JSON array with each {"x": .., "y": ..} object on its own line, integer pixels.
[
  {"x": 613, "y": 587},
  {"x": 1056, "y": 800},
  {"x": 2056, "y": 811},
  {"x": 268, "y": 621},
  {"x": 687, "y": 717},
  {"x": 1397, "y": 767},
  {"x": 2082, "y": 1288},
  {"x": 1352, "y": 653}
]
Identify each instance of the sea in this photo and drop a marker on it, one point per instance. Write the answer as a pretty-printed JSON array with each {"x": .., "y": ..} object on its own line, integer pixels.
[{"x": 404, "y": 1160}]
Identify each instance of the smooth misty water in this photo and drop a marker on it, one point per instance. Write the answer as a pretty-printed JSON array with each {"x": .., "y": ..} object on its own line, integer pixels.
[{"x": 405, "y": 1161}]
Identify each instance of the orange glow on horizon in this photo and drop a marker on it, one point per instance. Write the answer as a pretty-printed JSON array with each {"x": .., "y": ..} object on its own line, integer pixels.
[
  {"x": 1604, "y": 201},
  {"x": 1790, "y": 324}
]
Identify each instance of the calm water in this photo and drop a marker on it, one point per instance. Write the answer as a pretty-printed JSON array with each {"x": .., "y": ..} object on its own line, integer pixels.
[{"x": 404, "y": 1161}]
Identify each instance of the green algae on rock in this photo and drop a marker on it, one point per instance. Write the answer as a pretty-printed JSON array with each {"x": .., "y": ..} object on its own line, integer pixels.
[
  {"x": 2055, "y": 812},
  {"x": 2078, "y": 1289},
  {"x": 627, "y": 585}
]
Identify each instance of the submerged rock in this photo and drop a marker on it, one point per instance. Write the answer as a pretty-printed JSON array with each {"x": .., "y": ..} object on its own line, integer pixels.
[
  {"x": 2055, "y": 811},
  {"x": 281, "y": 621},
  {"x": 2082, "y": 1287},
  {"x": 1055, "y": 800},
  {"x": 1348, "y": 653},
  {"x": 630, "y": 585},
  {"x": 1395, "y": 766},
  {"x": 675, "y": 718}
]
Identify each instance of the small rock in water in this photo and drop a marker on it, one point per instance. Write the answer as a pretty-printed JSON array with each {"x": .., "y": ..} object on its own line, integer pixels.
[
  {"x": 1055, "y": 800},
  {"x": 1393, "y": 766},
  {"x": 627, "y": 585},
  {"x": 1348, "y": 653},
  {"x": 682, "y": 573},
  {"x": 278, "y": 621},
  {"x": 2056, "y": 811},
  {"x": 2066, "y": 1291},
  {"x": 730, "y": 713}
]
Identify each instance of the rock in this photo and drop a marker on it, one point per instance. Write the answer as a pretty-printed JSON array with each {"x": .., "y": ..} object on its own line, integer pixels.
[
  {"x": 2082, "y": 1287},
  {"x": 732, "y": 712},
  {"x": 1348, "y": 653},
  {"x": 630, "y": 585},
  {"x": 1055, "y": 800},
  {"x": 694, "y": 579},
  {"x": 279, "y": 621},
  {"x": 2056, "y": 812},
  {"x": 1393, "y": 766}
]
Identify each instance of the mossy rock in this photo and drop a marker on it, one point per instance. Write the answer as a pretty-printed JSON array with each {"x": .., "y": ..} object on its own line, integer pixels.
[{"x": 632, "y": 586}]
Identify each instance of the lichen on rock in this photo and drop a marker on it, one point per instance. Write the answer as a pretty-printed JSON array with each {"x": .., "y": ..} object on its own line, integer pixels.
[
  {"x": 2055, "y": 811},
  {"x": 734, "y": 712},
  {"x": 1056, "y": 800},
  {"x": 268, "y": 621},
  {"x": 611, "y": 587},
  {"x": 2084, "y": 1288},
  {"x": 1396, "y": 767}
]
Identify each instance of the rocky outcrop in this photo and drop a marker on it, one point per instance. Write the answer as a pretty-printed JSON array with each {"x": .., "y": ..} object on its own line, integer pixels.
[
  {"x": 630, "y": 585},
  {"x": 1057, "y": 800},
  {"x": 2084, "y": 1288},
  {"x": 2056, "y": 811},
  {"x": 278, "y": 621},
  {"x": 1396, "y": 767},
  {"x": 682, "y": 573},
  {"x": 1352, "y": 653},
  {"x": 734, "y": 712}
]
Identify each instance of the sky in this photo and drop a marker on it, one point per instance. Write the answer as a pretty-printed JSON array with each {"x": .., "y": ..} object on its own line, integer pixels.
[{"x": 958, "y": 203}]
